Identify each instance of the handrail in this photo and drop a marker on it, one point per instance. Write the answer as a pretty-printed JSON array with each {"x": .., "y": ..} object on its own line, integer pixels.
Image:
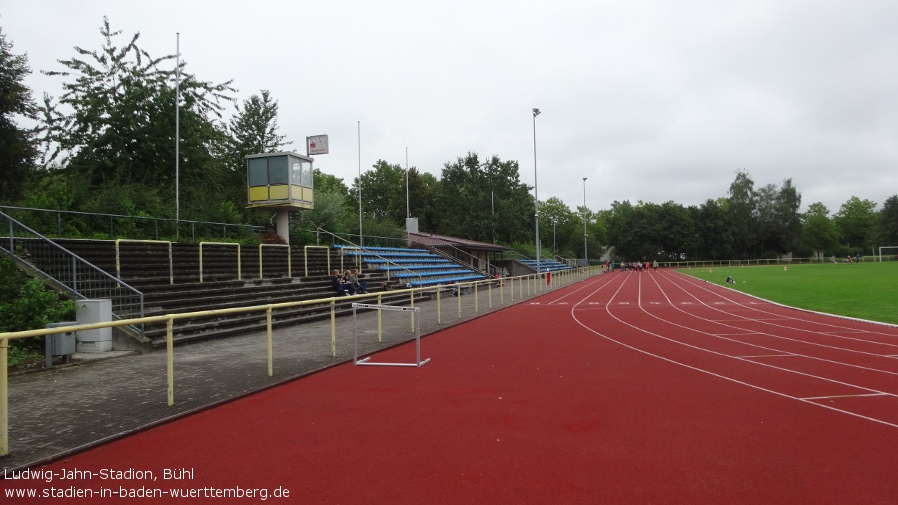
[
  {"x": 118, "y": 266},
  {"x": 490, "y": 268},
  {"x": 305, "y": 255},
  {"x": 59, "y": 213},
  {"x": 289, "y": 262},
  {"x": 239, "y": 258},
  {"x": 169, "y": 319},
  {"x": 74, "y": 274},
  {"x": 355, "y": 246}
]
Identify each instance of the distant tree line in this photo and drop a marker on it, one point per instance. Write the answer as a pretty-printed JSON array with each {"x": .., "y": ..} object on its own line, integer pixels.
[{"x": 107, "y": 145}]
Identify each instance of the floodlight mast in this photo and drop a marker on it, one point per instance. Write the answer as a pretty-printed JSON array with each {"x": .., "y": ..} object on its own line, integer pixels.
[
  {"x": 536, "y": 112},
  {"x": 585, "y": 254}
]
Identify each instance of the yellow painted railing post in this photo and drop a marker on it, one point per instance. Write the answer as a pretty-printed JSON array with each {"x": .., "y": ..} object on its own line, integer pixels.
[
  {"x": 239, "y": 258},
  {"x": 379, "y": 319},
  {"x": 476, "y": 285},
  {"x": 511, "y": 287},
  {"x": 439, "y": 311},
  {"x": 4, "y": 398},
  {"x": 118, "y": 264},
  {"x": 270, "y": 351},
  {"x": 289, "y": 262},
  {"x": 458, "y": 296},
  {"x": 170, "y": 359},
  {"x": 489, "y": 292},
  {"x": 305, "y": 255},
  {"x": 333, "y": 327}
]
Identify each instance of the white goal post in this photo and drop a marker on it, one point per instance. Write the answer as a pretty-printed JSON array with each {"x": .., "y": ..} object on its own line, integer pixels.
[
  {"x": 895, "y": 247},
  {"x": 355, "y": 338}
]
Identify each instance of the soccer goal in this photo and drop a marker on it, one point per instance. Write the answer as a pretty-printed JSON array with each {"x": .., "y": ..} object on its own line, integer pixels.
[
  {"x": 890, "y": 256},
  {"x": 355, "y": 338}
]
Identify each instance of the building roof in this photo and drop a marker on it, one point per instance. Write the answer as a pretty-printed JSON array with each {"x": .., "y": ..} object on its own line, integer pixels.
[{"x": 433, "y": 240}]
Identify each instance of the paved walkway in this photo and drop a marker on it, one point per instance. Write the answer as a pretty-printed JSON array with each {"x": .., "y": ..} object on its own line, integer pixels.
[{"x": 63, "y": 410}]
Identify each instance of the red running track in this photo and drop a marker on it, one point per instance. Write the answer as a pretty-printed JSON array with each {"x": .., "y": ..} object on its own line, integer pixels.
[{"x": 627, "y": 388}]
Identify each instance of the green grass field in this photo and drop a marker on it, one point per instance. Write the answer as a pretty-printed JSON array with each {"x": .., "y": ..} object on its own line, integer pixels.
[{"x": 862, "y": 290}]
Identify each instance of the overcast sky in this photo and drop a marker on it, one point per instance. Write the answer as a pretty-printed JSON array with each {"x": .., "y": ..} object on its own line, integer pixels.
[{"x": 649, "y": 100}]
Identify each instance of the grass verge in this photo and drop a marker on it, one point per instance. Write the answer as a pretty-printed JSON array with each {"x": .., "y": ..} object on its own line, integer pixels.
[{"x": 862, "y": 290}]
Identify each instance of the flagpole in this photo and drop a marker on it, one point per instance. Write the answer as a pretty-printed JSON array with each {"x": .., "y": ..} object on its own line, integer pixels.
[
  {"x": 359, "y": 134},
  {"x": 178, "y": 135}
]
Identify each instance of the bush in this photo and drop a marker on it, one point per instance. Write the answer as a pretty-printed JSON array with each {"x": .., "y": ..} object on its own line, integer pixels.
[{"x": 26, "y": 304}]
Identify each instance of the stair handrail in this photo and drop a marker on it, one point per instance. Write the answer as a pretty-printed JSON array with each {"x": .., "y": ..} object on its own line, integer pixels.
[
  {"x": 490, "y": 268},
  {"x": 362, "y": 248},
  {"x": 108, "y": 281}
]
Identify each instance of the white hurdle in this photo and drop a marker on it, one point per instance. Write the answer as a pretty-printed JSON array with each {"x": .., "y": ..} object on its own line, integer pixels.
[{"x": 355, "y": 338}]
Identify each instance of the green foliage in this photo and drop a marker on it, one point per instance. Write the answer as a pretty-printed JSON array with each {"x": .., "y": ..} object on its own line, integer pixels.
[
  {"x": 329, "y": 214},
  {"x": 119, "y": 130},
  {"x": 383, "y": 189},
  {"x": 254, "y": 130},
  {"x": 110, "y": 134},
  {"x": 886, "y": 232},
  {"x": 856, "y": 221},
  {"x": 476, "y": 197},
  {"x": 819, "y": 231},
  {"x": 18, "y": 146},
  {"x": 713, "y": 229},
  {"x": 864, "y": 290},
  {"x": 26, "y": 304}
]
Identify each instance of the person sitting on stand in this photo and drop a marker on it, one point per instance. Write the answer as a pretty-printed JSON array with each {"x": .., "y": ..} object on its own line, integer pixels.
[
  {"x": 361, "y": 287},
  {"x": 340, "y": 285}
]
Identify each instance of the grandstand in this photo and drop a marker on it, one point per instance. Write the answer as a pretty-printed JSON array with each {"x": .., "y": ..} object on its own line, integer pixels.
[
  {"x": 545, "y": 265},
  {"x": 412, "y": 267},
  {"x": 153, "y": 277}
]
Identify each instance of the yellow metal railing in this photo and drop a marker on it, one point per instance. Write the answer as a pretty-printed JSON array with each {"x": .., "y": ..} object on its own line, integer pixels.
[
  {"x": 239, "y": 260},
  {"x": 305, "y": 255},
  {"x": 289, "y": 262},
  {"x": 558, "y": 279},
  {"x": 118, "y": 261}
]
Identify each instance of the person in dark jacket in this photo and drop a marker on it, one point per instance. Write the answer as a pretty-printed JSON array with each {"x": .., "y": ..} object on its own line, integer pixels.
[{"x": 342, "y": 286}]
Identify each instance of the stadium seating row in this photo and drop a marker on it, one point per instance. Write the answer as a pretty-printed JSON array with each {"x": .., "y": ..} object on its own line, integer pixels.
[{"x": 412, "y": 267}]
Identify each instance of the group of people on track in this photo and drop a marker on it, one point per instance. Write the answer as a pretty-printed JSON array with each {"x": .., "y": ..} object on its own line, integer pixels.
[{"x": 636, "y": 266}]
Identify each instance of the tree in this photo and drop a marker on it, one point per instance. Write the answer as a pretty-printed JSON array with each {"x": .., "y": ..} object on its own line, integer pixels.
[
  {"x": 713, "y": 228},
  {"x": 18, "y": 147},
  {"x": 788, "y": 202},
  {"x": 477, "y": 197},
  {"x": 778, "y": 221},
  {"x": 856, "y": 220},
  {"x": 742, "y": 210},
  {"x": 675, "y": 233},
  {"x": 886, "y": 232},
  {"x": 253, "y": 130},
  {"x": 115, "y": 122},
  {"x": 327, "y": 183},
  {"x": 819, "y": 232},
  {"x": 381, "y": 188},
  {"x": 627, "y": 231},
  {"x": 563, "y": 230}
]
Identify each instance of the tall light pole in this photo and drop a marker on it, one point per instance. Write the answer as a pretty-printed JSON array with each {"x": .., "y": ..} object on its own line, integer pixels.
[
  {"x": 536, "y": 192},
  {"x": 585, "y": 255}
]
